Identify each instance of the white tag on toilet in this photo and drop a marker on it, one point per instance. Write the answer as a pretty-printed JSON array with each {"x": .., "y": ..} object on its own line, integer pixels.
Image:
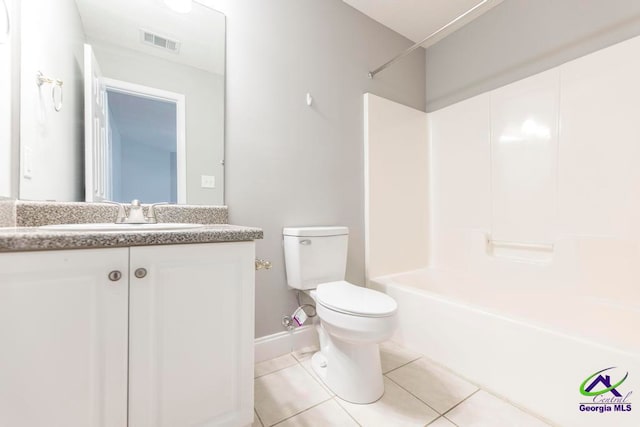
[{"x": 300, "y": 316}]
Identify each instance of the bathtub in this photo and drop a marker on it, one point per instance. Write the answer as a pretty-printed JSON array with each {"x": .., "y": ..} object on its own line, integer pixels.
[{"x": 532, "y": 350}]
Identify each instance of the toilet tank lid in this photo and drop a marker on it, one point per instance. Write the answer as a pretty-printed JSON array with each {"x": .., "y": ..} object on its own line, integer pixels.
[{"x": 315, "y": 231}]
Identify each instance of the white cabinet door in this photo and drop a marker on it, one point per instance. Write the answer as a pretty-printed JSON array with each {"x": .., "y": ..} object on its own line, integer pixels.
[
  {"x": 63, "y": 338},
  {"x": 191, "y": 335}
]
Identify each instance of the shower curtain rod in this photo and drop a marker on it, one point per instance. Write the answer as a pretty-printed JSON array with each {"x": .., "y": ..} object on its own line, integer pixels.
[{"x": 397, "y": 58}]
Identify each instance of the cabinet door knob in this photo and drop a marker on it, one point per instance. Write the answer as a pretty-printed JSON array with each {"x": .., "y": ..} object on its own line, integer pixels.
[
  {"x": 115, "y": 275},
  {"x": 140, "y": 273}
]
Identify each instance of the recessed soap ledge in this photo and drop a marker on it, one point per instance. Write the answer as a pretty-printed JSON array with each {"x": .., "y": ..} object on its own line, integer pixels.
[{"x": 23, "y": 219}]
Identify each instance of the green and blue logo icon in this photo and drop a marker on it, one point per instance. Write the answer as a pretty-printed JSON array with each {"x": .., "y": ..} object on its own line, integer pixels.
[{"x": 606, "y": 393}]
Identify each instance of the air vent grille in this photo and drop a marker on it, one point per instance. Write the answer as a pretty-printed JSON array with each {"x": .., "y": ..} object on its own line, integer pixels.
[{"x": 162, "y": 42}]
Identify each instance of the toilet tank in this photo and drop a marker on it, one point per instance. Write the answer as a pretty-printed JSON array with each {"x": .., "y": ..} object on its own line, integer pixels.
[{"x": 315, "y": 255}]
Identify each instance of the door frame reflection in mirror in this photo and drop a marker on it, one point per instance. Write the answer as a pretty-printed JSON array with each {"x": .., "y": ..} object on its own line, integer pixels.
[{"x": 127, "y": 88}]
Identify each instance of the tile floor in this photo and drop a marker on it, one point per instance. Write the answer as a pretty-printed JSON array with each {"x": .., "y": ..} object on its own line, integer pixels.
[{"x": 418, "y": 392}]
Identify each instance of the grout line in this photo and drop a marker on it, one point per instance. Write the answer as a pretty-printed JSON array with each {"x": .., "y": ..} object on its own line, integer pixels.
[
  {"x": 451, "y": 371},
  {"x": 258, "y": 417},
  {"x": 401, "y": 366},
  {"x": 431, "y": 422},
  {"x": 301, "y": 412},
  {"x": 517, "y": 406},
  {"x": 317, "y": 379},
  {"x": 450, "y": 421},
  {"x": 345, "y": 410},
  {"x": 459, "y": 403},
  {"x": 309, "y": 353},
  {"x": 441, "y": 416},
  {"x": 277, "y": 370},
  {"x": 430, "y": 407},
  {"x": 481, "y": 387}
]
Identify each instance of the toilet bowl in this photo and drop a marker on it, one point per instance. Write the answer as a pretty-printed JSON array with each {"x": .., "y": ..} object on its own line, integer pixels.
[
  {"x": 352, "y": 320},
  {"x": 350, "y": 331}
]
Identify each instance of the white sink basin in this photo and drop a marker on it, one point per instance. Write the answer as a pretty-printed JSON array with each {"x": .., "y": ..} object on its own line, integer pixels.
[{"x": 168, "y": 226}]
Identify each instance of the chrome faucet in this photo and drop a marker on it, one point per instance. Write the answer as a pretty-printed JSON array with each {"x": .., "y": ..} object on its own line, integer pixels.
[{"x": 136, "y": 213}]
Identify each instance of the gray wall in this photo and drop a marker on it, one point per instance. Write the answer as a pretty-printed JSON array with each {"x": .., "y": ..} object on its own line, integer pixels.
[
  {"x": 520, "y": 38},
  {"x": 52, "y": 41},
  {"x": 288, "y": 164}
]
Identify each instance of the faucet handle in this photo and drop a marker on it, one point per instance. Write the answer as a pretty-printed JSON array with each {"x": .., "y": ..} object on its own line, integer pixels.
[
  {"x": 151, "y": 213},
  {"x": 122, "y": 215}
]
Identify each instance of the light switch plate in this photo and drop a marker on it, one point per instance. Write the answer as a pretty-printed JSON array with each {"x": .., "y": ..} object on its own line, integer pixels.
[{"x": 208, "y": 181}]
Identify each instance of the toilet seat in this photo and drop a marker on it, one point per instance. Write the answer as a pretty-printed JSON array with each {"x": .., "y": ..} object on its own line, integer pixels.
[{"x": 346, "y": 298}]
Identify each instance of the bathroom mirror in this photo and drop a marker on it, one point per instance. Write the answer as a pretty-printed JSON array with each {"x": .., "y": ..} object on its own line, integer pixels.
[{"x": 122, "y": 99}]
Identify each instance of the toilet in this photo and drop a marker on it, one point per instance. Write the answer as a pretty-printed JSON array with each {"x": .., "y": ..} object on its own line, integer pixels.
[{"x": 353, "y": 319}]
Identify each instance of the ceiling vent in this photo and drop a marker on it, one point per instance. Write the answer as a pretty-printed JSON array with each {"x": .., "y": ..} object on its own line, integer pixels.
[{"x": 162, "y": 42}]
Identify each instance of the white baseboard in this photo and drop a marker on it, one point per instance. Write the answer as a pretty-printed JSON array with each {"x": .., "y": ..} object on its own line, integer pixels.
[{"x": 281, "y": 343}]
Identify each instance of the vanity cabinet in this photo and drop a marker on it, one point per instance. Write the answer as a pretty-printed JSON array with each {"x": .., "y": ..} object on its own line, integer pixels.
[
  {"x": 63, "y": 338},
  {"x": 191, "y": 320},
  {"x": 145, "y": 336}
]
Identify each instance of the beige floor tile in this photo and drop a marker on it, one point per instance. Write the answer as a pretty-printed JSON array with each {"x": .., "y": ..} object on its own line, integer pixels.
[
  {"x": 269, "y": 366},
  {"x": 256, "y": 420},
  {"x": 325, "y": 414},
  {"x": 306, "y": 364},
  {"x": 304, "y": 353},
  {"x": 393, "y": 356},
  {"x": 442, "y": 422},
  {"x": 396, "y": 408},
  {"x": 285, "y": 393},
  {"x": 433, "y": 384},
  {"x": 485, "y": 410}
]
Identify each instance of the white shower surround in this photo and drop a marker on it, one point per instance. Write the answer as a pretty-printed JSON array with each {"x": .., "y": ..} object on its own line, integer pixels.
[{"x": 550, "y": 161}]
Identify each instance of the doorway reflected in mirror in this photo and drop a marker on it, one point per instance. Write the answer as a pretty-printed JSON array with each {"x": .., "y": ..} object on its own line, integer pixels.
[{"x": 143, "y": 144}]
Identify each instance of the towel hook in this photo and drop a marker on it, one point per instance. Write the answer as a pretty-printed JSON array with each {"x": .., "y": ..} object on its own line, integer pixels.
[
  {"x": 41, "y": 79},
  {"x": 57, "y": 105}
]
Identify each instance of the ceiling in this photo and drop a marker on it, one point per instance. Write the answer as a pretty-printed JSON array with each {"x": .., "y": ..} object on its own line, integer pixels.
[
  {"x": 416, "y": 19},
  {"x": 201, "y": 32}
]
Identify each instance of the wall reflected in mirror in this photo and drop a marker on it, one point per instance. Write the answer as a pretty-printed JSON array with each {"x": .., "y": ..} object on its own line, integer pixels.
[{"x": 142, "y": 112}]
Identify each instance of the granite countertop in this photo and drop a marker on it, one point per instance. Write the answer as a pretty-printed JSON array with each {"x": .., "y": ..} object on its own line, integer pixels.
[
  {"x": 20, "y": 221},
  {"x": 13, "y": 239}
]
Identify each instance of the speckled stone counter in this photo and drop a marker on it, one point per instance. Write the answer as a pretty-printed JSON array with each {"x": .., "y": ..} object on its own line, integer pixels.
[
  {"x": 19, "y": 222},
  {"x": 36, "y": 239},
  {"x": 7, "y": 212},
  {"x": 36, "y": 214}
]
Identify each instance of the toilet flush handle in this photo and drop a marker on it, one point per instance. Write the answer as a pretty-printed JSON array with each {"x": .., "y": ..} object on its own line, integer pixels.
[{"x": 305, "y": 242}]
